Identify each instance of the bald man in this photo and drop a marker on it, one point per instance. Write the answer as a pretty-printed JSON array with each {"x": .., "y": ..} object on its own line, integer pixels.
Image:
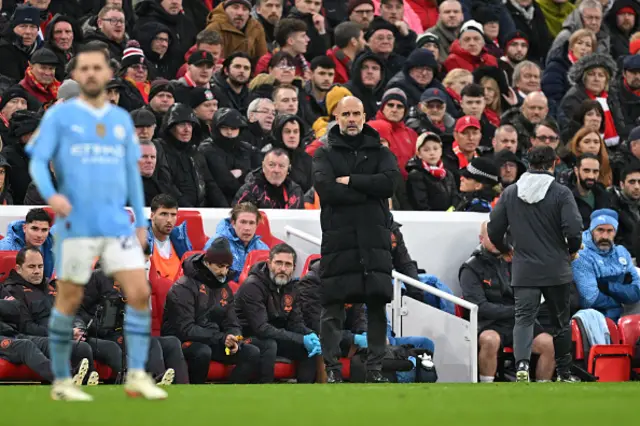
[{"x": 354, "y": 176}]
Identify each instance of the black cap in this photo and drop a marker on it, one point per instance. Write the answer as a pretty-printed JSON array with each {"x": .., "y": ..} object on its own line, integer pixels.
[
  {"x": 483, "y": 170},
  {"x": 219, "y": 252},
  {"x": 159, "y": 86},
  {"x": 115, "y": 83},
  {"x": 200, "y": 57},
  {"x": 23, "y": 122},
  {"x": 25, "y": 14},
  {"x": 200, "y": 95},
  {"x": 142, "y": 117},
  {"x": 44, "y": 56},
  {"x": 377, "y": 25},
  {"x": 428, "y": 38}
]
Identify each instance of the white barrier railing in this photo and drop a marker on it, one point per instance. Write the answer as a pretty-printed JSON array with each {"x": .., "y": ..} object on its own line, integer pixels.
[{"x": 399, "y": 311}]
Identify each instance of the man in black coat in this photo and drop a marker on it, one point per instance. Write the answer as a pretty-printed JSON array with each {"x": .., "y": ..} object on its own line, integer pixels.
[
  {"x": 367, "y": 81},
  {"x": 628, "y": 87},
  {"x": 61, "y": 37},
  {"x": 626, "y": 201},
  {"x": 22, "y": 126},
  {"x": 546, "y": 229},
  {"x": 17, "y": 46},
  {"x": 622, "y": 20},
  {"x": 110, "y": 30},
  {"x": 354, "y": 176},
  {"x": 200, "y": 311}
]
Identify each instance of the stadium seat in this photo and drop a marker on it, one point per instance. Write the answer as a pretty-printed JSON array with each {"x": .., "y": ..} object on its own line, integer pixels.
[
  {"x": 219, "y": 372},
  {"x": 346, "y": 368},
  {"x": 234, "y": 286},
  {"x": 7, "y": 263},
  {"x": 310, "y": 259},
  {"x": 264, "y": 230},
  {"x": 614, "y": 333},
  {"x": 252, "y": 258},
  {"x": 13, "y": 372},
  {"x": 190, "y": 253},
  {"x": 629, "y": 327},
  {"x": 195, "y": 227},
  {"x": 104, "y": 371}
]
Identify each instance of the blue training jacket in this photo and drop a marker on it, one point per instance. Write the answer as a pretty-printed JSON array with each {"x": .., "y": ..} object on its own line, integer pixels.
[
  {"x": 179, "y": 239},
  {"x": 14, "y": 240}
]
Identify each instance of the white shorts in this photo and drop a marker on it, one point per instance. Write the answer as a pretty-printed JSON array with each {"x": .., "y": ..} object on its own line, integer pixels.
[{"x": 75, "y": 257}]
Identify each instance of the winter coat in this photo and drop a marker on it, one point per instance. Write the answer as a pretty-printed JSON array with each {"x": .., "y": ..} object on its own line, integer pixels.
[
  {"x": 459, "y": 58},
  {"x": 251, "y": 40},
  {"x": 629, "y": 105},
  {"x": 179, "y": 239},
  {"x": 199, "y": 308},
  {"x": 426, "y": 10},
  {"x": 545, "y": 227},
  {"x": 426, "y": 192},
  {"x": 605, "y": 278},
  {"x": 628, "y": 234},
  {"x": 153, "y": 186},
  {"x": 446, "y": 39},
  {"x": 63, "y": 57},
  {"x": 536, "y": 31},
  {"x": 14, "y": 240},
  {"x": 356, "y": 260},
  {"x": 36, "y": 302},
  {"x": 403, "y": 80},
  {"x": 268, "y": 311},
  {"x": 259, "y": 191},
  {"x": 115, "y": 49},
  {"x": 574, "y": 23},
  {"x": 183, "y": 30},
  {"x": 602, "y": 199},
  {"x": 369, "y": 97},
  {"x": 15, "y": 60},
  {"x": 227, "y": 97},
  {"x": 269, "y": 29},
  {"x": 420, "y": 123},
  {"x": 318, "y": 43},
  {"x": 402, "y": 142},
  {"x": 130, "y": 97},
  {"x": 167, "y": 66},
  {"x": 19, "y": 178},
  {"x": 239, "y": 250},
  {"x": 554, "y": 77},
  {"x": 255, "y": 136},
  {"x": 619, "y": 40},
  {"x": 620, "y": 160}
]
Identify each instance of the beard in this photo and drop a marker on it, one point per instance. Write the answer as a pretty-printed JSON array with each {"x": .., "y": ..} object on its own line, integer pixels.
[
  {"x": 220, "y": 278},
  {"x": 236, "y": 82},
  {"x": 278, "y": 280},
  {"x": 604, "y": 244},
  {"x": 587, "y": 183}
]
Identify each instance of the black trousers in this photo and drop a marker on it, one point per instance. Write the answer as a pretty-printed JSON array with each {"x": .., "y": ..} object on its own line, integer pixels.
[
  {"x": 270, "y": 349},
  {"x": 198, "y": 356},
  {"x": 527, "y": 304},
  {"x": 107, "y": 352},
  {"x": 331, "y": 325}
]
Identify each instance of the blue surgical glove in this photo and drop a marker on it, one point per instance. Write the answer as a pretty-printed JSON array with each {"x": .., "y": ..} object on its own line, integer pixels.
[
  {"x": 310, "y": 341},
  {"x": 360, "y": 340},
  {"x": 317, "y": 350}
]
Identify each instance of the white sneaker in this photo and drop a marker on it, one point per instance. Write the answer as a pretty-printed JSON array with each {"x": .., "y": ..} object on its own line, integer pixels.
[
  {"x": 167, "y": 377},
  {"x": 82, "y": 372},
  {"x": 141, "y": 384},
  {"x": 94, "y": 379},
  {"x": 66, "y": 390}
]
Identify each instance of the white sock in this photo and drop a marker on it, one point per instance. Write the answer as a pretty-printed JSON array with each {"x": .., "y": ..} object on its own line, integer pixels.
[
  {"x": 543, "y": 381},
  {"x": 486, "y": 379}
]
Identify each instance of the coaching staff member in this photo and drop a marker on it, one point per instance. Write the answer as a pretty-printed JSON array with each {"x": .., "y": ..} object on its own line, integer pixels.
[
  {"x": 354, "y": 176},
  {"x": 545, "y": 226}
]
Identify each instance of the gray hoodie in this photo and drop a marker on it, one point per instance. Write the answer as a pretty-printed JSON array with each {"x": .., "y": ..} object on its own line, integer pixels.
[{"x": 545, "y": 226}]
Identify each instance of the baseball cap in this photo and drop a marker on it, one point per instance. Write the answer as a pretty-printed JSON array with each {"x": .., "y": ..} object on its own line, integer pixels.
[
  {"x": 200, "y": 57},
  {"x": 433, "y": 94},
  {"x": 465, "y": 122}
]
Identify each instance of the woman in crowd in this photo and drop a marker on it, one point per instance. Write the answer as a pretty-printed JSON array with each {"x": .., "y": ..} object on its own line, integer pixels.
[{"x": 587, "y": 140}]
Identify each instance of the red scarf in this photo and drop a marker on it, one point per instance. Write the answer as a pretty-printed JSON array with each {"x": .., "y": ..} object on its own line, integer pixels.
[
  {"x": 438, "y": 171},
  {"x": 626, "y": 86},
  {"x": 611, "y": 137},
  {"x": 42, "y": 93},
  {"x": 492, "y": 116},
  {"x": 462, "y": 159},
  {"x": 572, "y": 58},
  {"x": 144, "y": 88},
  {"x": 455, "y": 96}
]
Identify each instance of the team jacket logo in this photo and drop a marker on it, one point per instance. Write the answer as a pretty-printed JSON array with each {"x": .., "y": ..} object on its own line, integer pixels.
[
  {"x": 203, "y": 289},
  {"x": 5, "y": 343},
  {"x": 224, "y": 294},
  {"x": 288, "y": 303}
]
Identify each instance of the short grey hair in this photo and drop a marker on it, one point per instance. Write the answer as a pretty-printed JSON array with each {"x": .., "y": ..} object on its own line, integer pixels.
[
  {"x": 521, "y": 66},
  {"x": 505, "y": 128},
  {"x": 255, "y": 105},
  {"x": 589, "y": 4}
]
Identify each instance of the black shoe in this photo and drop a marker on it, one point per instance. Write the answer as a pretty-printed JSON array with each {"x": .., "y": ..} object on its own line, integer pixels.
[
  {"x": 375, "y": 377},
  {"x": 568, "y": 378},
  {"x": 522, "y": 371},
  {"x": 334, "y": 377}
]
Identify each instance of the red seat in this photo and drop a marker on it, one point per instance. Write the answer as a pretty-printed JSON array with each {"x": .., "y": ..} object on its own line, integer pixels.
[
  {"x": 13, "y": 372},
  {"x": 608, "y": 363},
  {"x": 264, "y": 230},
  {"x": 346, "y": 368},
  {"x": 104, "y": 371},
  {"x": 576, "y": 338},
  {"x": 7, "y": 263},
  {"x": 234, "y": 286},
  {"x": 195, "y": 227},
  {"x": 219, "y": 372},
  {"x": 629, "y": 327},
  {"x": 190, "y": 253},
  {"x": 310, "y": 259},
  {"x": 253, "y": 257}
]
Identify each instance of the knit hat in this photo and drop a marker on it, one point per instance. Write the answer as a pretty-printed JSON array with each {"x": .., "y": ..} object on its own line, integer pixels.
[
  {"x": 245, "y": 3},
  {"x": 12, "y": 92},
  {"x": 634, "y": 135},
  {"x": 631, "y": 62},
  {"x": 160, "y": 85},
  {"x": 355, "y": 3},
  {"x": 334, "y": 96},
  {"x": 427, "y": 38},
  {"x": 634, "y": 46},
  {"x": 200, "y": 95},
  {"x": 506, "y": 156},
  {"x": 433, "y": 94},
  {"x": 513, "y": 36},
  {"x": 142, "y": 117},
  {"x": 132, "y": 55},
  {"x": 69, "y": 89},
  {"x": 394, "y": 94},
  {"x": 465, "y": 122},
  {"x": 424, "y": 137},
  {"x": 485, "y": 14},
  {"x": 377, "y": 25},
  {"x": 483, "y": 170},
  {"x": 219, "y": 252},
  {"x": 603, "y": 217},
  {"x": 23, "y": 122},
  {"x": 471, "y": 25},
  {"x": 626, "y": 9},
  {"x": 44, "y": 56},
  {"x": 421, "y": 58},
  {"x": 25, "y": 14},
  {"x": 199, "y": 57}
]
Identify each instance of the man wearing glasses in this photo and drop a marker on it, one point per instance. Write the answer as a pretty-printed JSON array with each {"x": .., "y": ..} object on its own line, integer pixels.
[
  {"x": 111, "y": 30},
  {"x": 261, "y": 113},
  {"x": 361, "y": 12},
  {"x": 546, "y": 133}
]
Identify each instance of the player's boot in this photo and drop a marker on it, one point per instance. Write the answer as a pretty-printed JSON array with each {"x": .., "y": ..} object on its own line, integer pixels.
[
  {"x": 522, "y": 371},
  {"x": 94, "y": 379},
  {"x": 568, "y": 378},
  {"x": 83, "y": 369},
  {"x": 141, "y": 384},
  {"x": 66, "y": 390},
  {"x": 167, "y": 377}
]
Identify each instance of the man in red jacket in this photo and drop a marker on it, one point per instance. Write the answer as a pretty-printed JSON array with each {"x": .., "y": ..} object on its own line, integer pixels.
[
  {"x": 40, "y": 78},
  {"x": 468, "y": 51},
  {"x": 350, "y": 41}
]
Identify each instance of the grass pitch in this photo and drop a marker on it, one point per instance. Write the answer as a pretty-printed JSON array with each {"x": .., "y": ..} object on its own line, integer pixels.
[{"x": 566, "y": 404}]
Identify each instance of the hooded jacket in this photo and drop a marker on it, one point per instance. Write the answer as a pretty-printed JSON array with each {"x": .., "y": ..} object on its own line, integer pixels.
[
  {"x": 574, "y": 23},
  {"x": 554, "y": 77},
  {"x": 250, "y": 40},
  {"x": 426, "y": 192},
  {"x": 264, "y": 195},
  {"x": 268, "y": 311},
  {"x": 36, "y": 302},
  {"x": 460, "y": 58},
  {"x": 167, "y": 66},
  {"x": 15, "y": 56},
  {"x": 115, "y": 49},
  {"x": 179, "y": 239},
  {"x": 63, "y": 57},
  {"x": 370, "y": 97},
  {"x": 402, "y": 142},
  {"x": 199, "y": 307},
  {"x": 5, "y": 194},
  {"x": 420, "y": 123},
  {"x": 301, "y": 162},
  {"x": 15, "y": 240},
  {"x": 605, "y": 278},
  {"x": 545, "y": 226},
  {"x": 619, "y": 40}
]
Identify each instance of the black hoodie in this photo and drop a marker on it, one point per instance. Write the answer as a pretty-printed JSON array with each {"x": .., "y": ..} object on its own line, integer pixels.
[
  {"x": 167, "y": 66},
  {"x": 370, "y": 97},
  {"x": 619, "y": 41},
  {"x": 301, "y": 162},
  {"x": 63, "y": 57}
]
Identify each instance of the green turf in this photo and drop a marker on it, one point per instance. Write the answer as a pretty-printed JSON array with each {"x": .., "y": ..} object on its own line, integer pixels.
[{"x": 540, "y": 404}]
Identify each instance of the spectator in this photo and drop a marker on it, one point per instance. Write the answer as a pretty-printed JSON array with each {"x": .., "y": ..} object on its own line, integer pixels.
[
  {"x": 516, "y": 50},
  {"x": 392, "y": 11},
  {"x": 134, "y": 72},
  {"x": 229, "y": 158},
  {"x": 478, "y": 186},
  {"x": 488, "y": 16},
  {"x": 12, "y": 99},
  {"x": 367, "y": 81},
  {"x": 555, "y": 12},
  {"x": 40, "y": 80},
  {"x": 604, "y": 272},
  {"x": 591, "y": 76},
  {"x": 588, "y": 141},
  {"x": 589, "y": 115},
  {"x": 308, "y": 11},
  {"x": 498, "y": 95},
  {"x": 287, "y": 134},
  {"x": 261, "y": 114},
  {"x": 622, "y": 21},
  {"x": 546, "y": 133},
  {"x": 526, "y": 79},
  {"x": 111, "y": 31},
  {"x": 158, "y": 45},
  {"x": 152, "y": 184},
  {"x": 240, "y": 231},
  {"x": 17, "y": 46},
  {"x": 431, "y": 115},
  {"x": 628, "y": 154},
  {"x": 270, "y": 187},
  {"x": 554, "y": 78},
  {"x": 240, "y": 32},
  {"x": 199, "y": 74},
  {"x": 5, "y": 194},
  {"x": 430, "y": 186},
  {"x": 180, "y": 162},
  {"x": 113, "y": 88},
  {"x": 349, "y": 37},
  {"x": 230, "y": 84},
  {"x": 33, "y": 231},
  {"x": 171, "y": 14},
  {"x": 61, "y": 37},
  {"x": 204, "y": 105},
  {"x": 291, "y": 36},
  {"x": 626, "y": 201},
  {"x": 485, "y": 279},
  {"x": 588, "y": 15},
  {"x": 534, "y": 110},
  {"x": 431, "y": 42},
  {"x": 91, "y": 8},
  {"x": 628, "y": 88},
  {"x": 473, "y": 104},
  {"x": 456, "y": 80},
  {"x": 286, "y": 100},
  {"x": 447, "y": 29},
  {"x": 467, "y": 135},
  {"x": 505, "y": 139},
  {"x": 417, "y": 75},
  {"x": 583, "y": 182},
  {"x": 209, "y": 41},
  {"x": 393, "y": 109},
  {"x": 529, "y": 19},
  {"x": 511, "y": 168},
  {"x": 22, "y": 126},
  {"x": 322, "y": 78},
  {"x": 469, "y": 51},
  {"x": 269, "y": 312},
  {"x": 145, "y": 124},
  {"x": 161, "y": 98},
  {"x": 381, "y": 41},
  {"x": 268, "y": 13}
]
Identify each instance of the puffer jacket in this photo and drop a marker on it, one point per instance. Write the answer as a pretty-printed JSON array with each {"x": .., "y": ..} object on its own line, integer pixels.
[
  {"x": 178, "y": 237},
  {"x": 426, "y": 192},
  {"x": 459, "y": 58},
  {"x": 370, "y": 97},
  {"x": 15, "y": 240},
  {"x": 554, "y": 77}
]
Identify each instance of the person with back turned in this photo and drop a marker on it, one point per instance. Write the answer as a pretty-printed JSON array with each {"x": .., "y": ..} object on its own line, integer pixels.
[
  {"x": 354, "y": 176},
  {"x": 545, "y": 228}
]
